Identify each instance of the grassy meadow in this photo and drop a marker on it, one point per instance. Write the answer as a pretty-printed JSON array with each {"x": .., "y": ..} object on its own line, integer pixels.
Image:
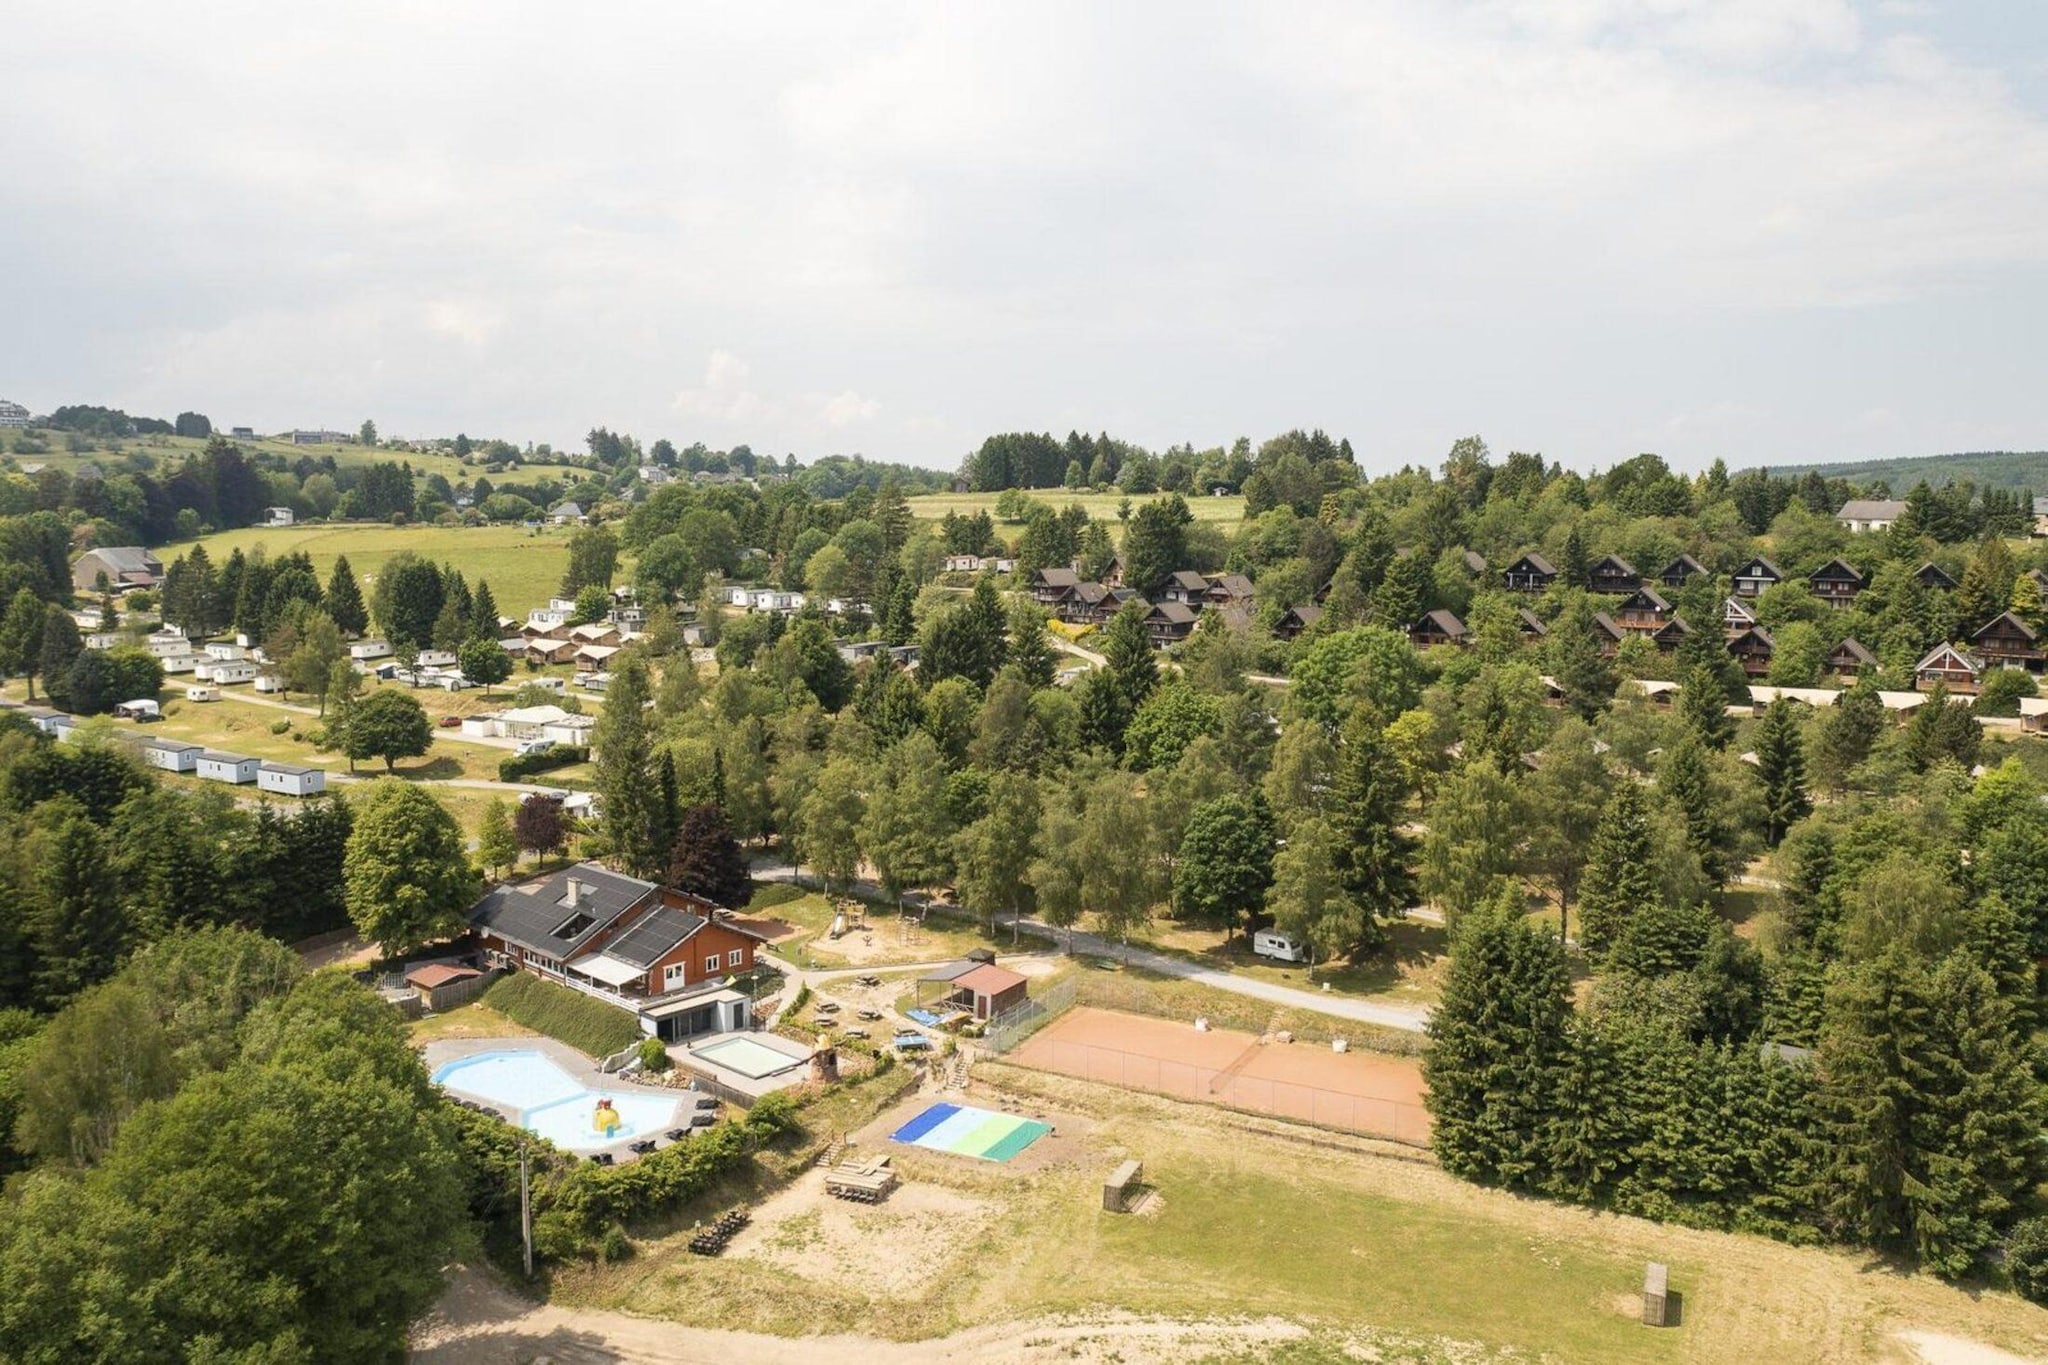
[
  {"x": 346, "y": 454},
  {"x": 524, "y": 568},
  {"x": 1225, "y": 512}
]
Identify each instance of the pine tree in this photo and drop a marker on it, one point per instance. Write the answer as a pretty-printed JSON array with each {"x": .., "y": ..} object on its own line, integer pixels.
[
  {"x": 1403, "y": 593},
  {"x": 1662, "y": 939},
  {"x": 1583, "y": 674},
  {"x": 624, "y": 782},
  {"x": 1128, "y": 650},
  {"x": 1370, "y": 793},
  {"x": 1872, "y": 1100},
  {"x": 483, "y": 613},
  {"x": 1703, "y": 701},
  {"x": 1986, "y": 587},
  {"x": 1684, "y": 779},
  {"x": 344, "y": 600},
  {"x": 668, "y": 810},
  {"x": 1498, "y": 1048},
  {"x": 59, "y": 646},
  {"x": 1848, "y": 734},
  {"x": 1781, "y": 767},
  {"x": 1621, "y": 876},
  {"x": 1575, "y": 561},
  {"x": 1031, "y": 649},
  {"x": 496, "y": 844},
  {"x": 1589, "y": 1131}
]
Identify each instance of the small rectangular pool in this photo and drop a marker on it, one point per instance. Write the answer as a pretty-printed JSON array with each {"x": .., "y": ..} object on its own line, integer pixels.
[
  {"x": 546, "y": 1100},
  {"x": 747, "y": 1057}
]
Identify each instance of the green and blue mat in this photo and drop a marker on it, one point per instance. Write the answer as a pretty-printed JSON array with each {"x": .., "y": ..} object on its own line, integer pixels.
[{"x": 967, "y": 1131}]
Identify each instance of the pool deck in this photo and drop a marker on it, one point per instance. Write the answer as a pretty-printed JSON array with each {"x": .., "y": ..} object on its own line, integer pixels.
[{"x": 581, "y": 1069}]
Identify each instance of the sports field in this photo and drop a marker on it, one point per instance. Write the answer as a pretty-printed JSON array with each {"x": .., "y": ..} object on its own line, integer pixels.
[{"x": 1357, "y": 1092}]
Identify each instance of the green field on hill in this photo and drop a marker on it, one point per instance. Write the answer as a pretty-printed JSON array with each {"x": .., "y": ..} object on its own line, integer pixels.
[
  {"x": 1226, "y": 512},
  {"x": 168, "y": 450},
  {"x": 524, "y": 568}
]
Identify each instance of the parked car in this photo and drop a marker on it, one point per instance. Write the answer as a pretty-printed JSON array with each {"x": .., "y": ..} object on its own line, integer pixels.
[{"x": 450, "y": 722}]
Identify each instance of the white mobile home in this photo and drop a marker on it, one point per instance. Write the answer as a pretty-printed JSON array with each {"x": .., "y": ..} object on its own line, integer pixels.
[
  {"x": 166, "y": 643},
  {"x": 223, "y": 651},
  {"x": 290, "y": 780},
  {"x": 230, "y": 768},
  {"x": 269, "y": 682},
  {"x": 103, "y": 639},
  {"x": 235, "y": 671},
  {"x": 172, "y": 755},
  {"x": 180, "y": 663},
  {"x": 200, "y": 693},
  {"x": 369, "y": 649}
]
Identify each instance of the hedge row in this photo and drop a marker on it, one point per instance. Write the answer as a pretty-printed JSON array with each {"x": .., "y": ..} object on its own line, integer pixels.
[
  {"x": 773, "y": 894},
  {"x": 541, "y": 761},
  {"x": 562, "y": 1014}
]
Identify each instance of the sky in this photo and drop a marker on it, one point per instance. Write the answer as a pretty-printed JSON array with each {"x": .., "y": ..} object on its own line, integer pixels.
[{"x": 1761, "y": 230}]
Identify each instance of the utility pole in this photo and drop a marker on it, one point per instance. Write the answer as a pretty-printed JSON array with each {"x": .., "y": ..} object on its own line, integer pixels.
[{"x": 525, "y": 1209}]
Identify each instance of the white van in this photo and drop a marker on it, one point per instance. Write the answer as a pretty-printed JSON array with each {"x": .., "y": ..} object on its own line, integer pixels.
[{"x": 1273, "y": 943}]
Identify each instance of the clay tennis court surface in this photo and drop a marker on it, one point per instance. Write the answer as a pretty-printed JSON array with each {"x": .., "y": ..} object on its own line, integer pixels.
[{"x": 1358, "y": 1092}]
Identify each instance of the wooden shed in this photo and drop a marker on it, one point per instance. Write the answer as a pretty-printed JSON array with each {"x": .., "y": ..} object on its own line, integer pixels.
[
  {"x": 444, "y": 985},
  {"x": 980, "y": 988}
]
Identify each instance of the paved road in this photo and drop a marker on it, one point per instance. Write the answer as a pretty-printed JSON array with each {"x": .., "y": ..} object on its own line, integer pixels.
[{"x": 1410, "y": 1018}]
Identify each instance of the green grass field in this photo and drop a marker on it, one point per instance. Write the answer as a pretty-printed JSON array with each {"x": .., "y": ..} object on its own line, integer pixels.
[
  {"x": 1225, "y": 512},
  {"x": 169, "y": 449},
  {"x": 524, "y": 568}
]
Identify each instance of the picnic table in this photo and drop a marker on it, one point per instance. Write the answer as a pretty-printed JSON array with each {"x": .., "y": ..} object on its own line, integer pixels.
[
  {"x": 871, "y": 1015},
  {"x": 913, "y": 1042}
]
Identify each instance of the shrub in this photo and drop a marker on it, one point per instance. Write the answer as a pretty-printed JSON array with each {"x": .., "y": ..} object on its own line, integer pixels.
[
  {"x": 2026, "y": 1259},
  {"x": 653, "y": 1054},
  {"x": 541, "y": 760},
  {"x": 774, "y": 894},
  {"x": 278, "y": 727},
  {"x": 803, "y": 997},
  {"x": 583, "y": 1023}
]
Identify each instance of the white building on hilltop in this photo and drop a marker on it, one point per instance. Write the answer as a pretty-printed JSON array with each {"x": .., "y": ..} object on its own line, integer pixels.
[{"x": 12, "y": 414}]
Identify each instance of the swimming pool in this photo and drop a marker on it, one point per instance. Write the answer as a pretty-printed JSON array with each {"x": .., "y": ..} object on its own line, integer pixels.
[
  {"x": 749, "y": 1058},
  {"x": 544, "y": 1099}
]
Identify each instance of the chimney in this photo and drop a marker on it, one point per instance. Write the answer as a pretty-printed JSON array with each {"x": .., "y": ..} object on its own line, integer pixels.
[{"x": 575, "y": 896}]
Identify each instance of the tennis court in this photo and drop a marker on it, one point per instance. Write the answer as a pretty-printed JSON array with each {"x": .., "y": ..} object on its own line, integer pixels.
[
  {"x": 966, "y": 1131},
  {"x": 1357, "y": 1092}
]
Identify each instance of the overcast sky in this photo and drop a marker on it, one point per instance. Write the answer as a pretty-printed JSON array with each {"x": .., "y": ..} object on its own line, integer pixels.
[{"x": 1766, "y": 230}]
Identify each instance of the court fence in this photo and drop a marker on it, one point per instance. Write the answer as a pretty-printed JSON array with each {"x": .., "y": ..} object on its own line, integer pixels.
[{"x": 1009, "y": 1029}]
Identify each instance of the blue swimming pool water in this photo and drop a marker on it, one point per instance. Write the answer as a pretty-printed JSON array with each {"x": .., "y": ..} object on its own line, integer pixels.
[{"x": 544, "y": 1099}]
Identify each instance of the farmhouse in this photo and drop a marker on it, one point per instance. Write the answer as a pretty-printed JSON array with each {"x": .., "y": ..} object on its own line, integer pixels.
[
  {"x": 123, "y": 566},
  {"x": 277, "y": 516},
  {"x": 1870, "y": 514},
  {"x": 230, "y": 768},
  {"x": 660, "y": 954},
  {"x": 290, "y": 779}
]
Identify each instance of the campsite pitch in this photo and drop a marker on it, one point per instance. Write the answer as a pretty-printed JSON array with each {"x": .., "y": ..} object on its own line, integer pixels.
[{"x": 1357, "y": 1092}]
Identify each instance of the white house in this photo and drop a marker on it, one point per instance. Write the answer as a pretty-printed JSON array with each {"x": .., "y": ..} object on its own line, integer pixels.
[
  {"x": 1870, "y": 514},
  {"x": 172, "y": 755},
  {"x": 770, "y": 599},
  {"x": 277, "y": 516},
  {"x": 565, "y": 514},
  {"x": 230, "y": 768},
  {"x": 290, "y": 780},
  {"x": 369, "y": 649},
  {"x": 234, "y": 671},
  {"x": 142, "y": 708},
  {"x": 739, "y": 597},
  {"x": 556, "y": 613},
  {"x": 202, "y": 694}
]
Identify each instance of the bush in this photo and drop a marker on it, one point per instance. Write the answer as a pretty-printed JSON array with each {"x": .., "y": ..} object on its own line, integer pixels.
[
  {"x": 774, "y": 894},
  {"x": 2000, "y": 695},
  {"x": 278, "y": 727},
  {"x": 2026, "y": 1259},
  {"x": 583, "y": 1023},
  {"x": 803, "y": 997},
  {"x": 541, "y": 760},
  {"x": 653, "y": 1054}
]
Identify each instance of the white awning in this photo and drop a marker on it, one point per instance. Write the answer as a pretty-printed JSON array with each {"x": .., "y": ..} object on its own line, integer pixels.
[{"x": 609, "y": 970}]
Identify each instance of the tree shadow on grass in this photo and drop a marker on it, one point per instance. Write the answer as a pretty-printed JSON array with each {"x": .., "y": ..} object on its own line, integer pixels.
[{"x": 433, "y": 770}]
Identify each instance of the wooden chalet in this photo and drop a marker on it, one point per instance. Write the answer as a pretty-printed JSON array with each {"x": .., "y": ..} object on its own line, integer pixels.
[
  {"x": 1113, "y": 576},
  {"x": 1755, "y": 576},
  {"x": 1850, "y": 659},
  {"x": 1680, "y": 571},
  {"x": 1186, "y": 587},
  {"x": 1956, "y": 669},
  {"x": 1531, "y": 624},
  {"x": 1051, "y": 587},
  {"x": 1670, "y": 635},
  {"x": 1644, "y": 609},
  {"x": 1609, "y": 633},
  {"x": 1736, "y": 615},
  {"x": 1295, "y": 620},
  {"x": 1753, "y": 649},
  {"x": 2007, "y": 640},
  {"x": 1168, "y": 623},
  {"x": 1230, "y": 590},
  {"x": 1613, "y": 575},
  {"x": 1531, "y": 573},
  {"x": 1932, "y": 575},
  {"x": 1475, "y": 564},
  {"x": 1836, "y": 583},
  {"x": 1438, "y": 627}
]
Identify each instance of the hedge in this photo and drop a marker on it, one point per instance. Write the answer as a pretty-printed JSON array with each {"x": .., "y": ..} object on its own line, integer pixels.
[
  {"x": 562, "y": 1014},
  {"x": 541, "y": 761},
  {"x": 774, "y": 894}
]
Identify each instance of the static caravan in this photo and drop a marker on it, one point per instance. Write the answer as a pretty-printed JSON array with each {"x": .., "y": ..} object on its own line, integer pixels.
[
  {"x": 166, "y": 643},
  {"x": 291, "y": 780},
  {"x": 369, "y": 649},
  {"x": 66, "y": 729},
  {"x": 238, "y": 671},
  {"x": 172, "y": 755},
  {"x": 202, "y": 693},
  {"x": 269, "y": 682},
  {"x": 230, "y": 768},
  {"x": 180, "y": 663},
  {"x": 435, "y": 658},
  {"x": 225, "y": 652},
  {"x": 103, "y": 639}
]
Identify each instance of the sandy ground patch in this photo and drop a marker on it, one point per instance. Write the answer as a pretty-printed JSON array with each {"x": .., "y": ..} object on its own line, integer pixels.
[{"x": 1937, "y": 1348}]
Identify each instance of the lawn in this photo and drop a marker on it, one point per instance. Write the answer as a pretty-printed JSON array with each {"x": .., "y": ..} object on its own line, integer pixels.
[
  {"x": 1252, "y": 1220},
  {"x": 168, "y": 450},
  {"x": 1410, "y": 972},
  {"x": 524, "y": 568},
  {"x": 888, "y": 937},
  {"x": 474, "y": 1020},
  {"x": 1225, "y": 512}
]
